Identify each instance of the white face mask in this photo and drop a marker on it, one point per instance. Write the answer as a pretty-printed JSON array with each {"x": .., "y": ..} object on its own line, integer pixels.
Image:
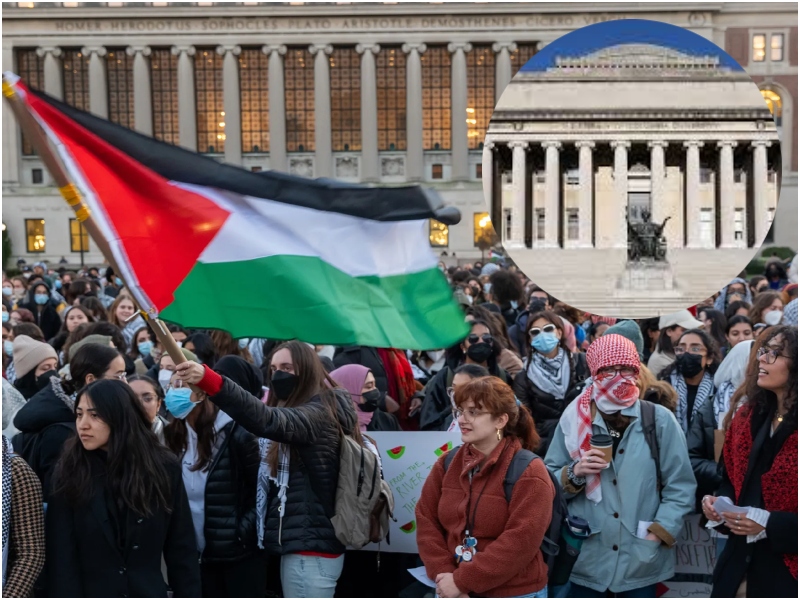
[
  {"x": 435, "y": 355},
  {"x": 163, "y": 378},
  {"x": 773, "y": 317}
]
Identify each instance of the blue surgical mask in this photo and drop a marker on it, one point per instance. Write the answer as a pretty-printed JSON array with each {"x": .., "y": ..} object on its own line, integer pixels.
[
  {"x": 118, "y": 281},
  {"x": 41, "y": 299},
  {"x": 8, "y": 347},
  {"x": 58, "y": 284},
  {"x": 545, "y": 342},
  {"x": 145, "y": 348},
  {"x": 243, "y": 343},
  {"x": 6, "y": 317},
  {"x": 179, "y": 402},
  {"x": 487, "y": 288},
  {"x": 8, "y": 291}
]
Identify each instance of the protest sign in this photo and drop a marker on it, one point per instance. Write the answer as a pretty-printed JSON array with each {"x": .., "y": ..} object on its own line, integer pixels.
[
  {"x": 686, "y": 589},
  {"x": 695, "y": 550},
  {"x": 407, "y": 458}
]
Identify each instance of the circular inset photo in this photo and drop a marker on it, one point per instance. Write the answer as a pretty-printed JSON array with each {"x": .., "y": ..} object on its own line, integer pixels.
[{"x": 633, "y": 168}]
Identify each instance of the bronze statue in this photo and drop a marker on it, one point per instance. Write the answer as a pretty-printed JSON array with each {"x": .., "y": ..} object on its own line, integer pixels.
[{"x": 646, "y": 240}]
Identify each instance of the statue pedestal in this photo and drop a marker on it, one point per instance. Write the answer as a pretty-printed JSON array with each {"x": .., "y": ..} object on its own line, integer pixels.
[{"x": 647, "y": 278}]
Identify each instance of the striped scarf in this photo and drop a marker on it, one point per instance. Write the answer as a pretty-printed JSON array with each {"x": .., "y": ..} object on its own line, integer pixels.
[
  {"x": 264, "y": 477},
  {"x": 705, "y": 389},
  {"x": 7, "y": 453}
]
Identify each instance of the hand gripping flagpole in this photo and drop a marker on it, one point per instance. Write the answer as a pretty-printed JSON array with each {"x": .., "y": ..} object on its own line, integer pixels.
[{"x": 70, "y": 192}]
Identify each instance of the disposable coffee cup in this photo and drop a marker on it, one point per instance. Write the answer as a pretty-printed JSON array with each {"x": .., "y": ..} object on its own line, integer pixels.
[{"x": 604, "y": 443}]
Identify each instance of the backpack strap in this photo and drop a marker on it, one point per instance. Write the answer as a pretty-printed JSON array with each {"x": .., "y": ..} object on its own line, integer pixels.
[
  {"x": 519, "y": 463},
  {"x": 651, "y": 436}
]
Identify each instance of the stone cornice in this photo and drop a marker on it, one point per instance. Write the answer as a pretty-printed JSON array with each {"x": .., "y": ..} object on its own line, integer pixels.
[{"x": 733, "y": 114}]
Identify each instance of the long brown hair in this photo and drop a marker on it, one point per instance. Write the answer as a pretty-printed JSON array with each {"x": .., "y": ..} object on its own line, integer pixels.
[
  {"x": 313, "y": 381},
  {"x": 667, "y": 396},
  {"x": 176, "y": 434},
  {"x": 496, "y": 397},
  {"x": 227, "y": 346},
  {"x": 112, "y": 311},
  {"x": 760, "y": 303}
]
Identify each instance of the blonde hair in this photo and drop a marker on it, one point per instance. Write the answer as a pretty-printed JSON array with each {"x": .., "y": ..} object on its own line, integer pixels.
[{"x": 667, "y": 396}]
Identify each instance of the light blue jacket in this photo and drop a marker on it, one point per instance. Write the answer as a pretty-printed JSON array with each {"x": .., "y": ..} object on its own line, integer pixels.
[{"x": 614, "y": 558}]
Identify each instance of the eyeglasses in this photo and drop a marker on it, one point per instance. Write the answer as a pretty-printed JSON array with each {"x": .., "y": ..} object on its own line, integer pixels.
[
  {"x": 771, "y": 354},
  {"x": 608, "y": 372},
  {"x": 147, "y": 398},
  {"x": 697, "y": 350},
  {"x": 474, "y": 338},
  {"x": 470, "y": 414},
  {"x": 546, "y": 329},
  {"x": 120, "y": 376}
]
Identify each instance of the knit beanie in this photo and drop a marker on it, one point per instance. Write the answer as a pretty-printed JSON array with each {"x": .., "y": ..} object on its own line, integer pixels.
[
  {"x": 189, "y": 355},
  {"x": 28, "y": 354},
  {"x": 630, "y": 330},
  {"x": 96, "y": 338}
]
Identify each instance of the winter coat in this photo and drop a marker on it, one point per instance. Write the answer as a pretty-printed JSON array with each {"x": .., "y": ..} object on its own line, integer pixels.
[
  {"x": 383, "y": 421},
  {"x": 613, "y": 557},
  {"x": 367, "y": 356},
  {"x": 700, "y": 440},
  {"x": 545, "y": 408},
  {"x": 84, "y": 559},
  {"x": 436, "y": 406},
  {"x": 230, "y": 497},
  {"x": 47, "y": 320},
  {"x": 314, "y": 463},
  {"x": 45, "y": 423},
  {"x": 659, "y": 361}
]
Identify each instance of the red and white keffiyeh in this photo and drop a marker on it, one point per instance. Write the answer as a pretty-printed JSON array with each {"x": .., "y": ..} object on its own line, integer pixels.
[{"x": 576, "y": 422}]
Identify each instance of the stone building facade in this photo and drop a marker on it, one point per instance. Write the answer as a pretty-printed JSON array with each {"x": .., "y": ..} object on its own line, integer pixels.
[{"x": 364, "y": 92}]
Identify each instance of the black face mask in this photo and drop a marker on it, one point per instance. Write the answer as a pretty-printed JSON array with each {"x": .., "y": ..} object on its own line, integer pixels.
[
  {"x": 689, "y": 365},
  {"x": 480, "y": 352},
  {"x": 370, "y": 401},
  {"x": 283, "y": 384},
  {"x": 44, "y": 379}
]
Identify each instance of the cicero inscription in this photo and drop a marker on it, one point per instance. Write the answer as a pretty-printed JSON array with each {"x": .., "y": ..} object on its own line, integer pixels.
[{"x": 313, "y": 24}]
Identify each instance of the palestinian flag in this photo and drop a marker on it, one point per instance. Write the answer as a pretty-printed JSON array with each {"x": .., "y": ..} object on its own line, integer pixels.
[{"x": 270, "y": 255}]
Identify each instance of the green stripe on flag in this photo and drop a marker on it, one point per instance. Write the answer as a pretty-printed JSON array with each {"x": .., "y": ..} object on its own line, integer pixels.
[{"x": 285, "y": 297}]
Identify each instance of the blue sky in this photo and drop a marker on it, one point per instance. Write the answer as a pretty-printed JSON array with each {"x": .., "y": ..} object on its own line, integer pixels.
[{"x": 628, "y": 31}]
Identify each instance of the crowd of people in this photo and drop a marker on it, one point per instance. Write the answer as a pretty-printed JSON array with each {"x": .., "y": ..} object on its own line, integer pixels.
[{"x": 218, "y": 475}]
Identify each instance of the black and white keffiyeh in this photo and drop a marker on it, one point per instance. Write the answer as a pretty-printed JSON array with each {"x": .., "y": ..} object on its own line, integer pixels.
[
  {"x": 551, "y": 375},
  {"x": 7, "y": 453},
  {"x": 264, "y": 477},
  {"x": 704, "y": 390}
]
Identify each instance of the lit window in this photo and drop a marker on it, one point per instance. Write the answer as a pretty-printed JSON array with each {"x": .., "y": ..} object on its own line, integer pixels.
[
  {"x": 436, "y": 98},
  {"x": 480, "y": 93},
  {"x": 210, "y": 101},
  {"x": 345, "y": 69},
  {"x": 164, "y": 90},
  {"x": 78, "y": 237},
  {"x": 70, "y": 4},
  {"x": 391, "y": 88},
  {"x": 774, "y": 104},
  {"x": 254, "y": 78},
  {"x": 25, "y": 4},
  {"x": 76, "y": 79},
  {"x": 759, "y": 47},
  {"x": 30, "y": 68},
  {"x": 521, "y": 55},
  {"x": 437, "y": 171},
  {"x": 298, "y": 69},
  {"x": 483, "y": 233},
  {"x": 34, "y": 232},
  {"x": 119, "y": 67},
  {"x": 776, "y": 47},
  {"x": 439, "y": 234}
]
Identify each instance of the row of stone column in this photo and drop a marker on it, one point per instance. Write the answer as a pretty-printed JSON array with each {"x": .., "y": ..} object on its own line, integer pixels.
[
  {"x": 552, "y": 203},
  {"x": 143, "y": 114}
]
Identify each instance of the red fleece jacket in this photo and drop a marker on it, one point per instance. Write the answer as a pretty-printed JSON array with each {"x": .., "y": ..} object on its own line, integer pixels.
[{"x": 509, "y": 560}]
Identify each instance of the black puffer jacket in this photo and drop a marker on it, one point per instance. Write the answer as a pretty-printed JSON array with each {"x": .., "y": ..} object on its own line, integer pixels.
[
  {"x": 45, "y": 423},
  {"x": 313, "y": 471},
  {"x": 546, "y": 408},
  {"x": 230, "y": 524},
  {"x": 700, "y": 440}
]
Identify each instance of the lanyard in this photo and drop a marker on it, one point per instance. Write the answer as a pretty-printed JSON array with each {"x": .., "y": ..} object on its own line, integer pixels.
[{"x": 471, "y": 522}]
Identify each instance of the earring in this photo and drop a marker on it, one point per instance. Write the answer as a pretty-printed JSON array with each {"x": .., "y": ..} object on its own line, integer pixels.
[{"x": 499, "y": 434}]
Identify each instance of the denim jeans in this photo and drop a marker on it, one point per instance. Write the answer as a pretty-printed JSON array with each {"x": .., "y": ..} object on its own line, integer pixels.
[
  {"x": 542, "y": 593},
  {"x": 579, "y": 591},
  {"x": 310, "y": 576}
]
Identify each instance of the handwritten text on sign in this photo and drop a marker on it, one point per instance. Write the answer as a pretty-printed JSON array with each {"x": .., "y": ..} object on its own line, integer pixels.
[
  {"x": 407, "y": 458},
  {"x": 695, "y": 550}
]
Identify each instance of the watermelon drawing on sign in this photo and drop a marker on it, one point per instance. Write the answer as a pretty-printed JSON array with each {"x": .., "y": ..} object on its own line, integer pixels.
[
  {"x": 396, "y": 453},
  {"x": 409, "y": 527},
  {"x": 443, "y": 449}
]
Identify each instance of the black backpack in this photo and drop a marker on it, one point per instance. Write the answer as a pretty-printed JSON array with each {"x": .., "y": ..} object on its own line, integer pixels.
[
  {"x": 551, "y": 544},
  {"x": 651, "y": 436}
]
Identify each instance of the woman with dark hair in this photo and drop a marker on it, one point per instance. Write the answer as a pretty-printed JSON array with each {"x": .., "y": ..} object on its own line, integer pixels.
[
  {"x": 736, "y": 290},
  {"x": 203, "y": 346},
  {"x": 758, "y": 284},
  {"x": 760, "y": 472},
  {"x": 220, "y": 471},
  {"x": 692, "y": 374},
  {"x": 715, "y": 324},
  {"x": 738, "y": 329},
  {"x": 359, "y": 382},
  {"x": 478, "y": 348},
  {"x": 737, "y": 308},
  {"x": 463, "y": 374},
  {"x": 302, "y": 423},
  {"x": 117, "y": 338},
  {"x": 48, "y": 419},
  {"x": 552, "y": 376},
  {"x": 650, "y": 335},
  {"x": 141, "y": 349},
  {"x": 596, "y": 330},
  {"x": 95, "y": 307},
  {"x": 507, "y": 293},
  {"x": 40, "y": 302},
  {"x": 227, "y": 346},
  {"x": 470, "y": 538},
  {"x": 672, "y": 327},
  {"x": 117, "y": 505},
  {"x": 74, "y": 317},
  {"x": 508, "y": 359},
  {"x": 151, "y": 396},
  {"x": 767, "y": 309},
  {"x": 775, "y": 272}
]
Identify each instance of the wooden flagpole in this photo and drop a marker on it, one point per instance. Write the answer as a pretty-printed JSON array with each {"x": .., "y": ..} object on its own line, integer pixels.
[{"x": 70, "y": 192}]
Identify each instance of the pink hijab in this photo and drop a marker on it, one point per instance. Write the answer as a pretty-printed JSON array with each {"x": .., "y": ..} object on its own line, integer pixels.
[
  {"x": 352, "y": 378},
  {"x": 569, "y": 335}
]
